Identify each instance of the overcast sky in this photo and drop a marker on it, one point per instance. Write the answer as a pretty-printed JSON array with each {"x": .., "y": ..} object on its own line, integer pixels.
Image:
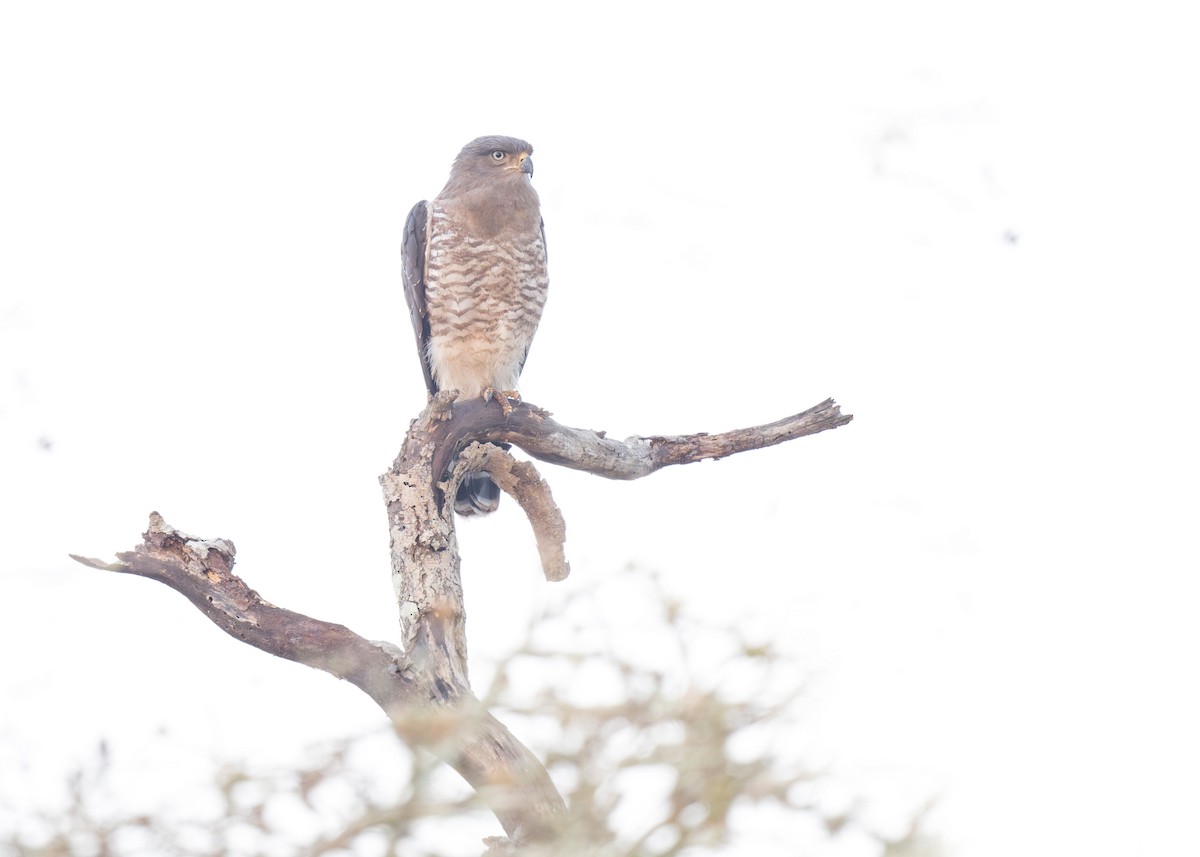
[{"x": 974, "y": 224}]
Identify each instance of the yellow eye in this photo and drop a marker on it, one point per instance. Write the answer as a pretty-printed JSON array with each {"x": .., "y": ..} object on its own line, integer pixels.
[{"x": 497, "y": 155}]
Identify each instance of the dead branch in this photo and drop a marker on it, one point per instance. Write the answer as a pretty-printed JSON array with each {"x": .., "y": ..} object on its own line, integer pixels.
[
  {"x": 532, "y": 429},
  {"x": 423, "y": 684},
  {"x": 426, "y": 711},
  {"x": 521, "y": 480}
]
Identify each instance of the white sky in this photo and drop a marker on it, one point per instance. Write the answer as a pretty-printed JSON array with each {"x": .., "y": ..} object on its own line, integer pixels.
[{"x": 748, "y": 209}]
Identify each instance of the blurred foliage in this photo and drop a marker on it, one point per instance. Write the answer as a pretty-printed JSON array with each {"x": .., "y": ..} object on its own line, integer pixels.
[{"x": 666, "y": 735}]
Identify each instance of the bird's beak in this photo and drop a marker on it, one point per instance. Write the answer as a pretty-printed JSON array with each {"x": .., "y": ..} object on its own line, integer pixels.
[{"x": 527, "y": 166}]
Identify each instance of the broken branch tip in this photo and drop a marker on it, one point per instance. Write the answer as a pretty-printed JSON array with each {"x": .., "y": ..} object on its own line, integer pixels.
[{"x": 97, "y": 563}]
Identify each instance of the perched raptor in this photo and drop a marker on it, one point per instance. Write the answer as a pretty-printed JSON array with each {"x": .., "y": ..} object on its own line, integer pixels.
[{"x": 475, "y": 281}]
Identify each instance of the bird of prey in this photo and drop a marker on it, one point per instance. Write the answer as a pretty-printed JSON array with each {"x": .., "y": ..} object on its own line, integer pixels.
[{"x": 475, "y": 281}]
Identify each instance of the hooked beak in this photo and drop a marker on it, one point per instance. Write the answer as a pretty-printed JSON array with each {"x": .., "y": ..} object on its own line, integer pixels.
[{"x": 527, "y": 166}]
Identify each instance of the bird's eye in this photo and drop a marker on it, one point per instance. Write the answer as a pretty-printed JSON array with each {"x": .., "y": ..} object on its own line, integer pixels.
[{"x": 497, "y": 155}]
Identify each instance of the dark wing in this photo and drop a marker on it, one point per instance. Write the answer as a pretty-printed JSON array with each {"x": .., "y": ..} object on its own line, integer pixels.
[
  {"x": 413, "y": 274},
  {"x": 525, "y": 356}
]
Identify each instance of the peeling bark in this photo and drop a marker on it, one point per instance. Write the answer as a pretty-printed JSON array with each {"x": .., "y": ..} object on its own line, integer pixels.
[{"x": 422, "y": 684}]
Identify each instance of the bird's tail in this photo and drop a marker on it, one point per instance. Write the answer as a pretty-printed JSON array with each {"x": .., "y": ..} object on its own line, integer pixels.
[{"x": 477, "y": 494}]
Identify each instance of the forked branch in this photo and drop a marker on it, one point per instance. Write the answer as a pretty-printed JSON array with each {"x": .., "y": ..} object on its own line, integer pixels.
[
  {"x": 422, "y": 684},
  {"x": 444, "y": 720}
]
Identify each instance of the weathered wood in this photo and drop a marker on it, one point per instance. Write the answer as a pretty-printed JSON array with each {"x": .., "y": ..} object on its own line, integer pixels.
[
  {"x": 533, "y": 430},
  {"x": 427, "y": 710},
  {"x": 423, "y": 684}
]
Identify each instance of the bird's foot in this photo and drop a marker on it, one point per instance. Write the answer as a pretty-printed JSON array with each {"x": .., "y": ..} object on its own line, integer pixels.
[{"x": 503, "y": 397}]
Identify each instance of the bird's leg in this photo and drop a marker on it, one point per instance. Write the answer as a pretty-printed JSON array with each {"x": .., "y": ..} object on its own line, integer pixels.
[{"x": 501, "y": 396}]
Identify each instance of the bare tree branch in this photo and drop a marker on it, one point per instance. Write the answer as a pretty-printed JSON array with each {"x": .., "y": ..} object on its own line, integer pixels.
[
  {"x": 521, "y": 480},
  {"x": 423, "y": 684},
  {"x": 427, "y": 712},
  {"x": 532, "y": 429}
]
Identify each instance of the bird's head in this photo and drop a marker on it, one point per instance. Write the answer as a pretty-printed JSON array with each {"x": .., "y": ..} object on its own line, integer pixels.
[{"x": 495, "y": 157}]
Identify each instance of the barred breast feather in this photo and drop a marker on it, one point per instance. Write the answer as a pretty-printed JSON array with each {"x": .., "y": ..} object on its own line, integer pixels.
[{"x": 485, "y": 297}]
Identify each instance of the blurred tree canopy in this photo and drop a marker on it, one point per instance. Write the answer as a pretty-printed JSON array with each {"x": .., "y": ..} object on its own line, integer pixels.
[{"x": 679, "y": 742}]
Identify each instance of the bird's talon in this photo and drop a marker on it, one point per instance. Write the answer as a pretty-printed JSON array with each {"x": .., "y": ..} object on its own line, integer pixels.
[
  {"x": 501, "y": 396},
  {"x": 507, "y": 397}
]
